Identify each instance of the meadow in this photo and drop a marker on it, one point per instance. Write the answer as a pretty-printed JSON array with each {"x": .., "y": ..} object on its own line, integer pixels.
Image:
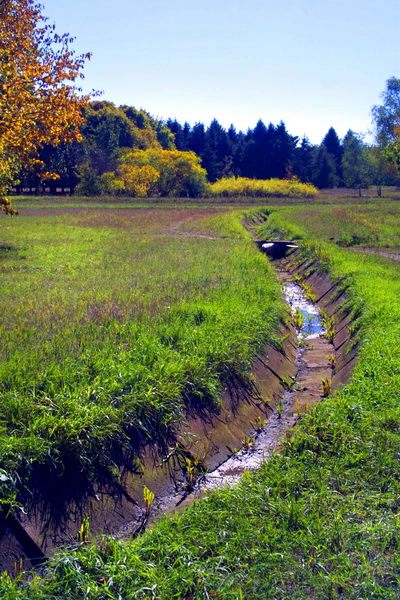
[
  {"x": 114, "y": 327},
  {"x": 321, "y": 518},
  {"x": 373, "y": 224}
]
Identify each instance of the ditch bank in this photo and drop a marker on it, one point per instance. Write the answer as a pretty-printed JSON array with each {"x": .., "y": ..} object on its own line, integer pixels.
[
  {"x": 213, "y": 450},
  {"x": 325, "y": 356}
]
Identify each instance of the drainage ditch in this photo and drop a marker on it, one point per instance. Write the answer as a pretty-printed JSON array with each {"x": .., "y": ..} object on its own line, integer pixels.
[{"x": 316, "y": 355}]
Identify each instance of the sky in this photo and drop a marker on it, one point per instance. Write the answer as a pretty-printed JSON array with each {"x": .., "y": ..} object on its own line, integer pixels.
[{"x": 311, "y": 63}]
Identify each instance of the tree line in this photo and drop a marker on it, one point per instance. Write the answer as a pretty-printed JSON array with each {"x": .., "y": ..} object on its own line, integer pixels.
[
  {"x": 52, "y": 137},
  {"x": 270, "y": 151},
  {"x": 127, "y": 151}
]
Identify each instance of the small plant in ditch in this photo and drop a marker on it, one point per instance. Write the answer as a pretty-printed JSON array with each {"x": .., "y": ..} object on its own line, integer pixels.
[
  {"x": 288, "y": 383},
  {"x": 233, "y": 450},
  {"x": 328, "y": 324},
  {"x": 84, "y": 531},
  {"x": 148, "y": 497},
  {"x": 330, "y": 332},
  {"x": 248, "y": 443},
  {"x": 331, "y": 360},
  {"x": 258, "y": 423},
  {"x": 326, "y": 386},
  {"x": 308, "y": 292},
  {"x": 18, "y": 567},
  {"x": 298, "y": 407},
  {"x": 194, "y": 468},
  {"x": 279, "y": 408},
  {"x": 298, "y": 319}
]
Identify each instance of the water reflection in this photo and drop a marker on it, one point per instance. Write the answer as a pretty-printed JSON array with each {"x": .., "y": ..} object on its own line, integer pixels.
[{"x": 312, "y": 326}]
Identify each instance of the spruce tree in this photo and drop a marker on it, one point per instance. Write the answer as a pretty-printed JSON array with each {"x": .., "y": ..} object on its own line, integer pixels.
[
  {"x": 324, "y": 169},
  {"x": 332, "y": 143}
]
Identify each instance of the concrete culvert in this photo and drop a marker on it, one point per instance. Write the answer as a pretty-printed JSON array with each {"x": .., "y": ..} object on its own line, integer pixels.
[{"x": 276, "y": 248}]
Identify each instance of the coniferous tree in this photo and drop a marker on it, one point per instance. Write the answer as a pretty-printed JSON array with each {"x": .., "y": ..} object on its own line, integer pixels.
[
  {"x": 284, "y": 145},
  {"x": 217, "y": 157},
  {"x": 324, "y": 169},
  {"x": 177, "y": 130},
  {"x": 232, "y": 135},
  {"x": 186, "y": 130},
  {"x": 236, "y": 140},
  {"x": 197, "y": 142},
  {"x": 254, "y": 152},
  {"x": 303, "y": 160},
  {"x": 332, "y": 143}
]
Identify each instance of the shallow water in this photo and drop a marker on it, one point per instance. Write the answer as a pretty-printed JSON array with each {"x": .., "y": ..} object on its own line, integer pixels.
[{"x": 296, "y": 299}]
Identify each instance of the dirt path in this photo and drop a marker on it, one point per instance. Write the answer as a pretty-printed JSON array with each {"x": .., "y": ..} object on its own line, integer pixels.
[{"x": 176, "y": 229}]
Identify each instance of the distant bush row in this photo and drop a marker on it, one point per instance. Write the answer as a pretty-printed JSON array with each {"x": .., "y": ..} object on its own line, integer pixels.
[
  {"x": 174, "y": 173},
  {"x": 243, "y": 186}
]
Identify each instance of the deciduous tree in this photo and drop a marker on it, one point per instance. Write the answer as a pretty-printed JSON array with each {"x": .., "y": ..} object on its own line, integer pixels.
[
  {"x": 39, "y": 100},
  {"x": 138, "y": 181},
  {"x": 386, "y": 116},
  {"x": 355, "y": 163},
  {"x": 178, "y": 173}
]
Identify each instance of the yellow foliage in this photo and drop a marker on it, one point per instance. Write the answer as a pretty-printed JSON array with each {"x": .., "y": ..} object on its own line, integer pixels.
[
  {"x": 179, "y": 173},
  {"x": 138, "y": 180},
  {"x": 111, "y": 184},
  {"x": 243, "y": 186},
  {"x": 39, "y": 102}
]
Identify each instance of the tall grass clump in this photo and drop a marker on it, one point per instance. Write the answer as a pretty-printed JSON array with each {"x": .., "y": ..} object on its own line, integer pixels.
[{"x": 261, "y": 188}]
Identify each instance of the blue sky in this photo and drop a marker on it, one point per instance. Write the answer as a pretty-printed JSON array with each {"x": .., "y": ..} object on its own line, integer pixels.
[{"x": 311, "y": 63}]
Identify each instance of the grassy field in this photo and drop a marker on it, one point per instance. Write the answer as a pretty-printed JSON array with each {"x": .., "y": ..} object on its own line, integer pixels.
[
  {"x": 321, "y": 518},
  {"x": 113, "y": 325},
  {"x": 373, "y": 224}
]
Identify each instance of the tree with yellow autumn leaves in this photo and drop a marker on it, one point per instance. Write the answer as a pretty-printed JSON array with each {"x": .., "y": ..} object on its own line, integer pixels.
[
  {"x": 40, "y": 102},
  {"x": 159, "y": 172}
]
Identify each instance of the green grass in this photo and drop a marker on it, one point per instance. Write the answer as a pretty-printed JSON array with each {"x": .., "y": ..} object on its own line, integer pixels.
[
  {"x": 336, "y": 197},
  {"x": 112, "y": 326},
  {"x": 375, "y": 224},
  {"x": 319, "y": 520}
]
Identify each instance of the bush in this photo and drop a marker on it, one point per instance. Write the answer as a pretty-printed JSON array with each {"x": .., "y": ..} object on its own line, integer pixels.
[{"x": 243, "y": 186}]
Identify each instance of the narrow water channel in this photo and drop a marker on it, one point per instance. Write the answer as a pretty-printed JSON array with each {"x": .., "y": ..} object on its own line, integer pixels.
[
  {"x": 268, "y": 437},
  {"x": 297, "y": 300},
  {"x": 314, "y": 362}
]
